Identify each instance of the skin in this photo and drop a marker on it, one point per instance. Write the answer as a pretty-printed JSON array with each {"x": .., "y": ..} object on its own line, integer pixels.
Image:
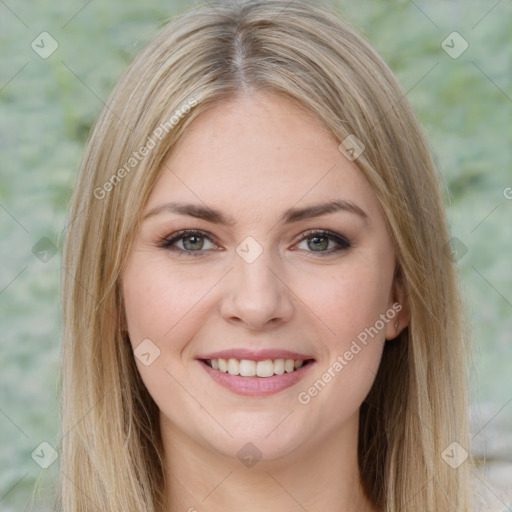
[{"x": 252, "y": 158}]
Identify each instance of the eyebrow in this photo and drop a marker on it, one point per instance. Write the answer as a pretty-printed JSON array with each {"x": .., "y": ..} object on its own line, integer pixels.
[{"x": 289, "y": 216}]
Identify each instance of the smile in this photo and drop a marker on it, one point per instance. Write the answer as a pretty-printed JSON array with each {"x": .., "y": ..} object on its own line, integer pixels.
[
  {"x": 249, "y": 368},
  {"x": 259, "y": 375}
]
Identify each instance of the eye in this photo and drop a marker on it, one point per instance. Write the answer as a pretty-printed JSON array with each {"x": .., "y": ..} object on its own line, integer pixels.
[
  {"x": 195, "y": 242},
  {"x": 191, "y": 241},
  {"x": 319, "y": 241}
]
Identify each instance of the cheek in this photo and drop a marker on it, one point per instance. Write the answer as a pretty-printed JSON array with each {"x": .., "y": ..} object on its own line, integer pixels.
[
  {"x": 349, "y": 305},
  {"x": 157, "y": 302},
  {"x": 162, "y": 311},
  {"x": 351, "y": 302}
]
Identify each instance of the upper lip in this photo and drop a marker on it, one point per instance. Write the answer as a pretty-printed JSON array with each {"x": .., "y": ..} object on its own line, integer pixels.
[{"x": 255, "y": 355}]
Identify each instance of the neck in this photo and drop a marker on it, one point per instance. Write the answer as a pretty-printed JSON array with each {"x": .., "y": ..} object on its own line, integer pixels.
[{"x": 313, "y": 478}]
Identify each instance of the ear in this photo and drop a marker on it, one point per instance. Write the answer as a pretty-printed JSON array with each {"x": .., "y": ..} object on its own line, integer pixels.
[{"x": 399, "y": 305}]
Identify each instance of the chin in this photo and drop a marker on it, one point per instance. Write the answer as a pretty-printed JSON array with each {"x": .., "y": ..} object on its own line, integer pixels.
[{"x": 266, "y": 441}]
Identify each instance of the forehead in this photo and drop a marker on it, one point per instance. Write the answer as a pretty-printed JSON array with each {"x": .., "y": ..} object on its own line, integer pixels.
[{"x": 258, "y": 153}]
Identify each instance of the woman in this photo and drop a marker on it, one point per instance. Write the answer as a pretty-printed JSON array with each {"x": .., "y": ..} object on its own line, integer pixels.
[{"x": 260, "y": 311}]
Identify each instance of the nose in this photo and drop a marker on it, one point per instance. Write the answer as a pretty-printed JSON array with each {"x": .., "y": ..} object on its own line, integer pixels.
[{"x": 257, "y": 295}]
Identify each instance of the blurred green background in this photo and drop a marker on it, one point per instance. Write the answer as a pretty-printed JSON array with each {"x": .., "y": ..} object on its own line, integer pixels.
[{"x": 49, "y": 104}]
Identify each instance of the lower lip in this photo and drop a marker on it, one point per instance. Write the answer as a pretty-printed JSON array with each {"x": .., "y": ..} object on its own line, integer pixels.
[{"x": 256, "y": 386}]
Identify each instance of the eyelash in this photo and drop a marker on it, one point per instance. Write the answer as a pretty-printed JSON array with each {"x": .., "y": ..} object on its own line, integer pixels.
[{"x": 168, "y": 241}]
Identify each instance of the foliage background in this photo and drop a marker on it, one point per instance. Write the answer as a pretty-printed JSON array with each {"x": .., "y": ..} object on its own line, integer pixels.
[{"x": 49, "y": 105}]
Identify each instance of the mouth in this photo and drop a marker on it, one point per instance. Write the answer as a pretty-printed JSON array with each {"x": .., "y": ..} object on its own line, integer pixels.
[
  {"x": 250, "y": 368},
  {"x": 256, "y": 374}
]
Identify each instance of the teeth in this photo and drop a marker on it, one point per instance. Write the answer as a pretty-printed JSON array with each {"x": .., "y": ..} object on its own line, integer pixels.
[
  {"x": 233, "y": 367},
  {"x": 265, "y": 368},
  {"x": 223, "y": 365},
  {"x": 279, "y": 366},
  {"x": 249, "y": 368}
]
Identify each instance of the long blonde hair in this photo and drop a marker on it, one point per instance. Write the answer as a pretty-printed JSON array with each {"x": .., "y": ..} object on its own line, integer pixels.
[{"x": 111, "y": 453}]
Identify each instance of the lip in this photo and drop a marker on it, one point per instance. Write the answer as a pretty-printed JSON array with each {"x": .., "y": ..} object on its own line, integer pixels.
[
  {"x": 257, "y": 386},
  {"x": 255, "y": 355}
]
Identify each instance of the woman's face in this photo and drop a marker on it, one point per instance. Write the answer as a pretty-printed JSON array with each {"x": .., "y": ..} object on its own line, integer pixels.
[{"x": 256, "y": 283}]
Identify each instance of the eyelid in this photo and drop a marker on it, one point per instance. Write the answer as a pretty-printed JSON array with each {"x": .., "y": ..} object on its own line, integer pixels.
[{"x": 339, "y": 238}]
